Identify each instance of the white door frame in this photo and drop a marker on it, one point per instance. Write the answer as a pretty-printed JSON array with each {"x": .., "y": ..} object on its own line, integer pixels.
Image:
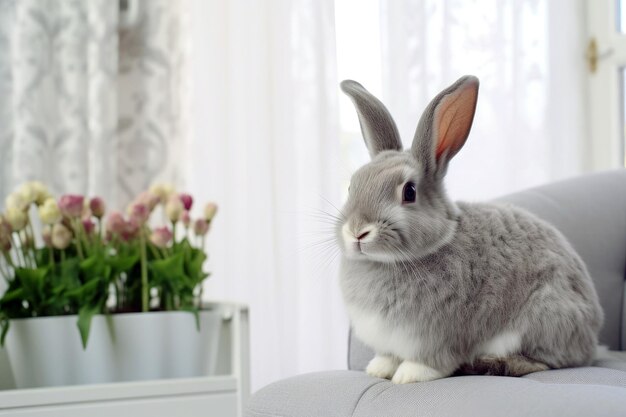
[{"x": 605, "y": 86}]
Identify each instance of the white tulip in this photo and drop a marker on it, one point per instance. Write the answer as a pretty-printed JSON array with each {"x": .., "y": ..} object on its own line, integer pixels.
[
  {"x": 49, "y": 212},
  {"x": 16, "y": 218}
]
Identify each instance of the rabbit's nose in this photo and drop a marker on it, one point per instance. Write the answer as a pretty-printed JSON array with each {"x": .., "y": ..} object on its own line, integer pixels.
[{"x": 366, "y": 233}]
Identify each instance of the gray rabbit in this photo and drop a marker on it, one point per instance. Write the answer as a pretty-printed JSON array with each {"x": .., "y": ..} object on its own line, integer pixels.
[{"x": 437, "y": 287}]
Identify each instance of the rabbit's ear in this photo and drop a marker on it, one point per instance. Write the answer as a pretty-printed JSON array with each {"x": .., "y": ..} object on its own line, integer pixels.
[
  {"x": 378, "y": 128},
  {"x": 445, "y": 125}
]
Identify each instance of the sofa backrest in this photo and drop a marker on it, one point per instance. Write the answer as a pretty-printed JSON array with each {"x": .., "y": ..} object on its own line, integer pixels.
[{"x": 591, "y": 212}]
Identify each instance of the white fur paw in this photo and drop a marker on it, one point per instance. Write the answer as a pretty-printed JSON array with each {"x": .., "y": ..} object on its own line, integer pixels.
[
  {"x": 409, "y": 371},
  {"x": 382, "y": 367}
]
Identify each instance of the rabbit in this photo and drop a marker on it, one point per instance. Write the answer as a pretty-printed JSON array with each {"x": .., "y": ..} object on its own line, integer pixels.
[{"x": 437, "y": 287}]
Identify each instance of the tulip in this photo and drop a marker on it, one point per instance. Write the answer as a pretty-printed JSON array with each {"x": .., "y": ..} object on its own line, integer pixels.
[
  {"x": 88, "y": 226},
  {"x": 16, "y": 218},
  {"x": 49, "y": 212},
  {"x": 148, "y": 199},
  {"x": 185, "y": 218},
  {"x": 162, "y": 191},
  {"x": 115, "y": 223},
  {"x": 209, "y": 211},
  {"x": 97, "y": 207},
  {"x": 28, "y": 193},
  {"x": 174, "y": 208},
  {"x": 161, "y": 236},
  {"x": 41, "y": 192},
  {"x": 187, "y": 200},
  {"x": 130, "y": 230},
  {"x": 71, "y": 205},
  {"x": 200, "y": 227},
  {"x": 61, "y": 236},
  {"x": 46, "y": 235},
  {"x": 139, "y": 213},
  {"x": 16, "y": 201}
]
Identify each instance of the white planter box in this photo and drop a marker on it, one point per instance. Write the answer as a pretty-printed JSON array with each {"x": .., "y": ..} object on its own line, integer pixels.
[
  {"x": 222, "y": 392},
  {"x": 47, "y": 351}
]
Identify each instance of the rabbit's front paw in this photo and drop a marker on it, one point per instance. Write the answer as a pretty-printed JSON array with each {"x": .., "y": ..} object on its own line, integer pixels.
[
  {"x": 382, "y": 367},
  {"x": 410, "y": 371}
]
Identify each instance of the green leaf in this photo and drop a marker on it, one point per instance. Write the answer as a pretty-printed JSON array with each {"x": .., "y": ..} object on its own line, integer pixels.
[
  {"x": 86, "y": 290},
  {"x": 85, "y": 314},
  {"x": 4, "y": 328},
  {"x": 91, "y": 265},
  {"x": 12, "y": 295},
  {"x": 123, "y": 263},
  {"x": 169, "y": 268},
  {"x": 196, "y": 313},
  {"x": 194, "y": 266},
  {"x": 32, "y": 281}
]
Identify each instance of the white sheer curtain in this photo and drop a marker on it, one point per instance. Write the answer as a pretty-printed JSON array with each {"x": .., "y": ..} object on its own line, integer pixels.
[
  {"x": 267, "y": 144},
  {"x": 530, "y": 122},
  {"x": 265, "y": 148}
]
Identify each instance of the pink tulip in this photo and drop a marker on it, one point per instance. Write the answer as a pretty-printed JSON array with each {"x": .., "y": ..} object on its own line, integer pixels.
[
  {"x": 161, "y": 236},
  {"x": 89, "y": 226},
  {"x": 148, "y": 199},
  {"x": 139, "y": 213},
  {"x": 201, "y": 227},
  {"x": 131, "y": 230},
  {"x": 187, "y": 200},
  {"x": 97, "y": 207},
  {"x": 71, "y": 205},
  {"x": 115, "y": 223},
  {"x": 185, "y": 218}
]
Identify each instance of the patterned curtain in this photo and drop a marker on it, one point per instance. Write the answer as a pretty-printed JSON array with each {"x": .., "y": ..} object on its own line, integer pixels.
[{"x": 88, "y": 105}]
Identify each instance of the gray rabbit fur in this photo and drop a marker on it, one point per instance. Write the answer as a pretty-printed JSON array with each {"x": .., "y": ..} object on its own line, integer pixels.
[{"x": 437, "y": 287}]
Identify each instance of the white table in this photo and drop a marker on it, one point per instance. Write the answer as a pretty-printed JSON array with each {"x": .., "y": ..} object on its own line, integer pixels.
[{"x": 220, "y": 395}]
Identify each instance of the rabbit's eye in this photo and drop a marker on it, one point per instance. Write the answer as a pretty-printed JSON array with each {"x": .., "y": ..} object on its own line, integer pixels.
[{"x": 409, "y": 193}]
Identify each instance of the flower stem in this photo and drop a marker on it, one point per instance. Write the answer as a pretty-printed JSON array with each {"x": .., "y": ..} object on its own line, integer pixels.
[
  {"x": 85, "y": 238},
  {"x": 155, "y": 252},
  {"x": 100, "y": 234},
  {"x": 77, "y": 229},
  {"x": 144, "y": 274}
]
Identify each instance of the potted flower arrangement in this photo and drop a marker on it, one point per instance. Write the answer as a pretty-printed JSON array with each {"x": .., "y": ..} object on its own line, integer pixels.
[{"x": 95, "y": 298}]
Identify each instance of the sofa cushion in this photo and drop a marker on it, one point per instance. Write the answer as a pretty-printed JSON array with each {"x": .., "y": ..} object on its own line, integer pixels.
[{"x": 584, "y": 392}]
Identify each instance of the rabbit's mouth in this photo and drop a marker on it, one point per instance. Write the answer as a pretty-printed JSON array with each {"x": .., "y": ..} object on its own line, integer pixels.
[
  {"x": 358, "y": 239},
  {"x": 358, "y": 248}
]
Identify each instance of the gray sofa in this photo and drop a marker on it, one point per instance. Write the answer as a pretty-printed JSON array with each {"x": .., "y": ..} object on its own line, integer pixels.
[{"x": 591, "y": 212}]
